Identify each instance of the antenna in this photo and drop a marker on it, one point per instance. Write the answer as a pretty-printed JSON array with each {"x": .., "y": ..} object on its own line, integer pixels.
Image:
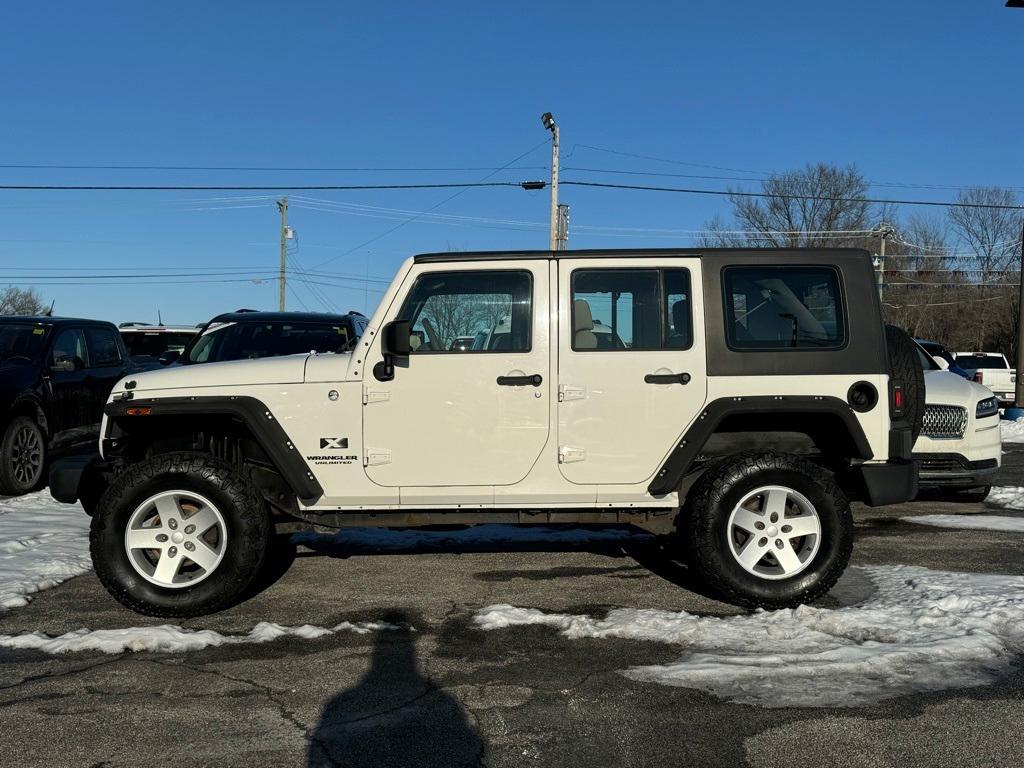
[
  {"x": 49, "y": 312},
  {"x": 159, "y": 318}
]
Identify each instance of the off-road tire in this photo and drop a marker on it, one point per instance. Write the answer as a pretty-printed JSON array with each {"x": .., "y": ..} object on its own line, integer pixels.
[
  {"x": 10, "y": 483},
  {"x": 703, "y": 524},
  {"x": 248, "y": 534},
  {"x": 905, "y": 366},
  {"x": 974, "y": 495}
]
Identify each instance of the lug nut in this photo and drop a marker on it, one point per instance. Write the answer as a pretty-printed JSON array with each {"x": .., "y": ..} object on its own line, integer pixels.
[
  {"x": 762, "y": 541},
  {"x": 778, "y": 543},
  {"x": 759, "y": 525},
  {"x": 787, "y": 528},
  {"x": 172, "y": 552},
  {"x": 161, "y": 537},
  {"x": 190, "y": 546},
  {"x": 172, "y": 524},
  {"x": 775, "y": 517},
  {"x": 190, "y": 529}
]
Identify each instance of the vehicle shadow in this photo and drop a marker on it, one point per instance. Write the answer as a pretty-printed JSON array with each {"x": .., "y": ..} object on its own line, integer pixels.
[
  {"x": 610, "y": 541},
  {"x": 394, "y": 716}
]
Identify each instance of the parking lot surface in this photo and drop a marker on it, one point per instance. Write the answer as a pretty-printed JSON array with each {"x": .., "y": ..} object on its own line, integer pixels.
[{"x": 435, "y": 689}]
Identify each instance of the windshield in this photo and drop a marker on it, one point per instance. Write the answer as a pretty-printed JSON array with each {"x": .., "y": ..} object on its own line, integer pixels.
[
  {"x": 974, "y": 362},
  {"x": 248, "y": 341},
  {"x": 155, "y": 343},
  {"x": 22, "y": 342}
]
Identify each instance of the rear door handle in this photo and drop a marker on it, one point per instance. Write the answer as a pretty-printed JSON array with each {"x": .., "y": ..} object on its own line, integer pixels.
[
  {"x": 521, "y": 381},
  {"x": 667, "y": 378}
]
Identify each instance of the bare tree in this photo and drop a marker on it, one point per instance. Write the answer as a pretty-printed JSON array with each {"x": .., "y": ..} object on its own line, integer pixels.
[
  {"x": 993, "y": 234},
  {"x": 818, "y": 206},
  {"x": 21, "y": 301}
]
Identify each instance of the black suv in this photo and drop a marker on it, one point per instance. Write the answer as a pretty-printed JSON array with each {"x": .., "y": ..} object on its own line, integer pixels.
[
  {"x": 247, "y": 335},
  {"x": 55, "y": 376}
]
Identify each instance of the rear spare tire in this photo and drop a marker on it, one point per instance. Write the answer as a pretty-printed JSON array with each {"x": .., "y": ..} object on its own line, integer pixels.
[
  {"x": 767, "y": 530},
  {"x": 905, "y": 368},
  {"x": 182, "y": 534}
]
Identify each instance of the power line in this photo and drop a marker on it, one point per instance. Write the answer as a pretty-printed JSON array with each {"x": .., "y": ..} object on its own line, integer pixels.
[
  {"x": 244, "y": 188},
  {"x": 448, "y": 199},
  {"x": 317, "y": 169},
  {"x": 824, "y": 198}
]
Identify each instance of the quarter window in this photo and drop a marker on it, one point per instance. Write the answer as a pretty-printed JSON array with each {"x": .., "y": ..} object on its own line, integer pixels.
[
  {"x": 784, "y": 308},
  {"x": 467, "y": 312},
  {"x": 638, "y": 309}
]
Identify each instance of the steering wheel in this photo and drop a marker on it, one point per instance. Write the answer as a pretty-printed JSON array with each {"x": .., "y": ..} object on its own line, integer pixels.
[{"x": 432, "y": 339}]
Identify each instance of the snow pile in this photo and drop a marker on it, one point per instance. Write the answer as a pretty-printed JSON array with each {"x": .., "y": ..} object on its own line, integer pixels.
[
  {"x": 922, "y": 630},
  {"x": 171, "y": 639},
  {"x": 973, "y": 522},
  {"x": 42, "y": 543},
  {"x": 470, "y": 537},
  {"x": 1009, "y": 496},
  {"x": 1013, "y": 431}
]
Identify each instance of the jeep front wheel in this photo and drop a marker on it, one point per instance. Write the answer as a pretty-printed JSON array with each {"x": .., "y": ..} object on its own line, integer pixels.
[
  {"x": 179, "y": 535},
  {"x": 767, "y": 530}
]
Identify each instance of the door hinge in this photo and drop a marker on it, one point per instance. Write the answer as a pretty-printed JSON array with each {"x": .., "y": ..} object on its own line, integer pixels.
[
  {"x": 375, "y": 456},
  {"x": 567, "y": 454},
  {"x": 375, "y": 395},
  {"x": 565, "y": 392}
]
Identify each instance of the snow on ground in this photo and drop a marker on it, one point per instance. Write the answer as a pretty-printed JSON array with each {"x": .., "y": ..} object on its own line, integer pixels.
[
  {"x": 921, "y": 630},
  {"x": 1013, "y": 431},
  {"x": 1009, "y": 496},
  {"x": 171, "y": 639},
  {"x": 972, "y": 522},
  {"x": 42, "y": 543}
]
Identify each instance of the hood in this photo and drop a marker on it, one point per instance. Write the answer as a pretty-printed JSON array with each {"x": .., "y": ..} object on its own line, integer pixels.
[
  {"x": 946, "y": 388},
  {"x": 268, "y": 370}
]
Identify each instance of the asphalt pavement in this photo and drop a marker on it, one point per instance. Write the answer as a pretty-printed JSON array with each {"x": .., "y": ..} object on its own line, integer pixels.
[{"x": 441, "y": 692}]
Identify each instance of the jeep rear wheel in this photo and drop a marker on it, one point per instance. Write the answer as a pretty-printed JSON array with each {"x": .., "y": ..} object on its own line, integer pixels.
[
  {"x": 22, "y": 457},
  {"x": 767, "y": 530},
  {"x": 179, "y": 535}
]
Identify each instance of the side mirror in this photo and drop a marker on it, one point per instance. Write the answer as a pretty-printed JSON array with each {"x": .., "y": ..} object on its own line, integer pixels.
[
  {"x": 396, "y": 338},
  {"x": 394, "y": 342},
  {"x": 941, "y": 362},
  {"x": 170, "y": 356},
  {"x": 64, "y": 364}
]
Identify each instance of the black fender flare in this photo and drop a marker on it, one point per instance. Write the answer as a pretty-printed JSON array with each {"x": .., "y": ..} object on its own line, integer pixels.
[
  {"x": 256, "y": 416},
  {"x": 679, "y": 461}
]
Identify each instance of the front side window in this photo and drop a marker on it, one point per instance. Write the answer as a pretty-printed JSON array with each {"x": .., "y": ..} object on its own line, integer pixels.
[
  {"x": 783, "y": 308},
  {"x": 68, "y": 353},
  {"x": 638, "y": 309},
  {"x": 103, "y": 349},
  {"x": 467, "y": 312}
]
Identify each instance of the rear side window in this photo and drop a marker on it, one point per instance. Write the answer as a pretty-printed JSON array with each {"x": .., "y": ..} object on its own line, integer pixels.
[
  {"x": 638, "y": 309},
  {"x": 784, "y": 308},
  {"x": 102, "y": 346}
]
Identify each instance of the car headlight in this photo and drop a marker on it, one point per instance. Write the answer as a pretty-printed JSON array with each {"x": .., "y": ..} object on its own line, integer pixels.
[{"x": 987, "y": 407}]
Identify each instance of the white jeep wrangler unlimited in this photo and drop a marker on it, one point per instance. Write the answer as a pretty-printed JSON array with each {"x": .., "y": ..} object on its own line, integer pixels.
[{"x": 732, "y": 400}]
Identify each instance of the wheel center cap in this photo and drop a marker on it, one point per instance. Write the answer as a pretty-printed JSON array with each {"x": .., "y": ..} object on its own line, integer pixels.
[
  {"x": 177, "y": 537},
  {"x": 771, "y": 530}
]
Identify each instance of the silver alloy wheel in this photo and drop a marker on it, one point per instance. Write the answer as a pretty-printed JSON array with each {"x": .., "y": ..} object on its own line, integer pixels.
[
  {"x": 176, "y": 539},
  {"x": 27, "y": 456},
  {"x": 774, "y": 532}
]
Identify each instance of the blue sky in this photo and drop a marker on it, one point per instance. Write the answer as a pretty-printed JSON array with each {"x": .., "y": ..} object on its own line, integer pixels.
[{"x": 912, "y": 92}]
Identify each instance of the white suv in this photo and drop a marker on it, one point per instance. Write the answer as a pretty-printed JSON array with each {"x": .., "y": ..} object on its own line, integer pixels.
[
  {"x": 960, "y": 445},
  {"x": 740, "y": 399}
]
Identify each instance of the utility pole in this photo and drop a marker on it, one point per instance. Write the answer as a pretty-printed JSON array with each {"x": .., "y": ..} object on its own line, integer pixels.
[
  {"x": 1018, "y": 398},
  {"x": 549, "y": 122},
  {"x": 884, "y": 231},
  {"x": 562, "y": 231},
  {"x": 282, "y": 206}
]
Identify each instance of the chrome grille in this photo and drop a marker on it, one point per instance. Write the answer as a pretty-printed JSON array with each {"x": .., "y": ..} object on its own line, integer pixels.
[{"x": 944, "y": 422}]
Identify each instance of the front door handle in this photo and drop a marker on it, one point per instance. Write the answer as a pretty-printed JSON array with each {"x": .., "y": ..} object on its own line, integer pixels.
[
  {"x": 521, "y": 381},
  {"x": 667, "y": 378}
]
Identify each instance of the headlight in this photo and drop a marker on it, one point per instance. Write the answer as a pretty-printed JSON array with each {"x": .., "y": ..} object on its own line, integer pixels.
[{"x": 987, "y": 407}]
